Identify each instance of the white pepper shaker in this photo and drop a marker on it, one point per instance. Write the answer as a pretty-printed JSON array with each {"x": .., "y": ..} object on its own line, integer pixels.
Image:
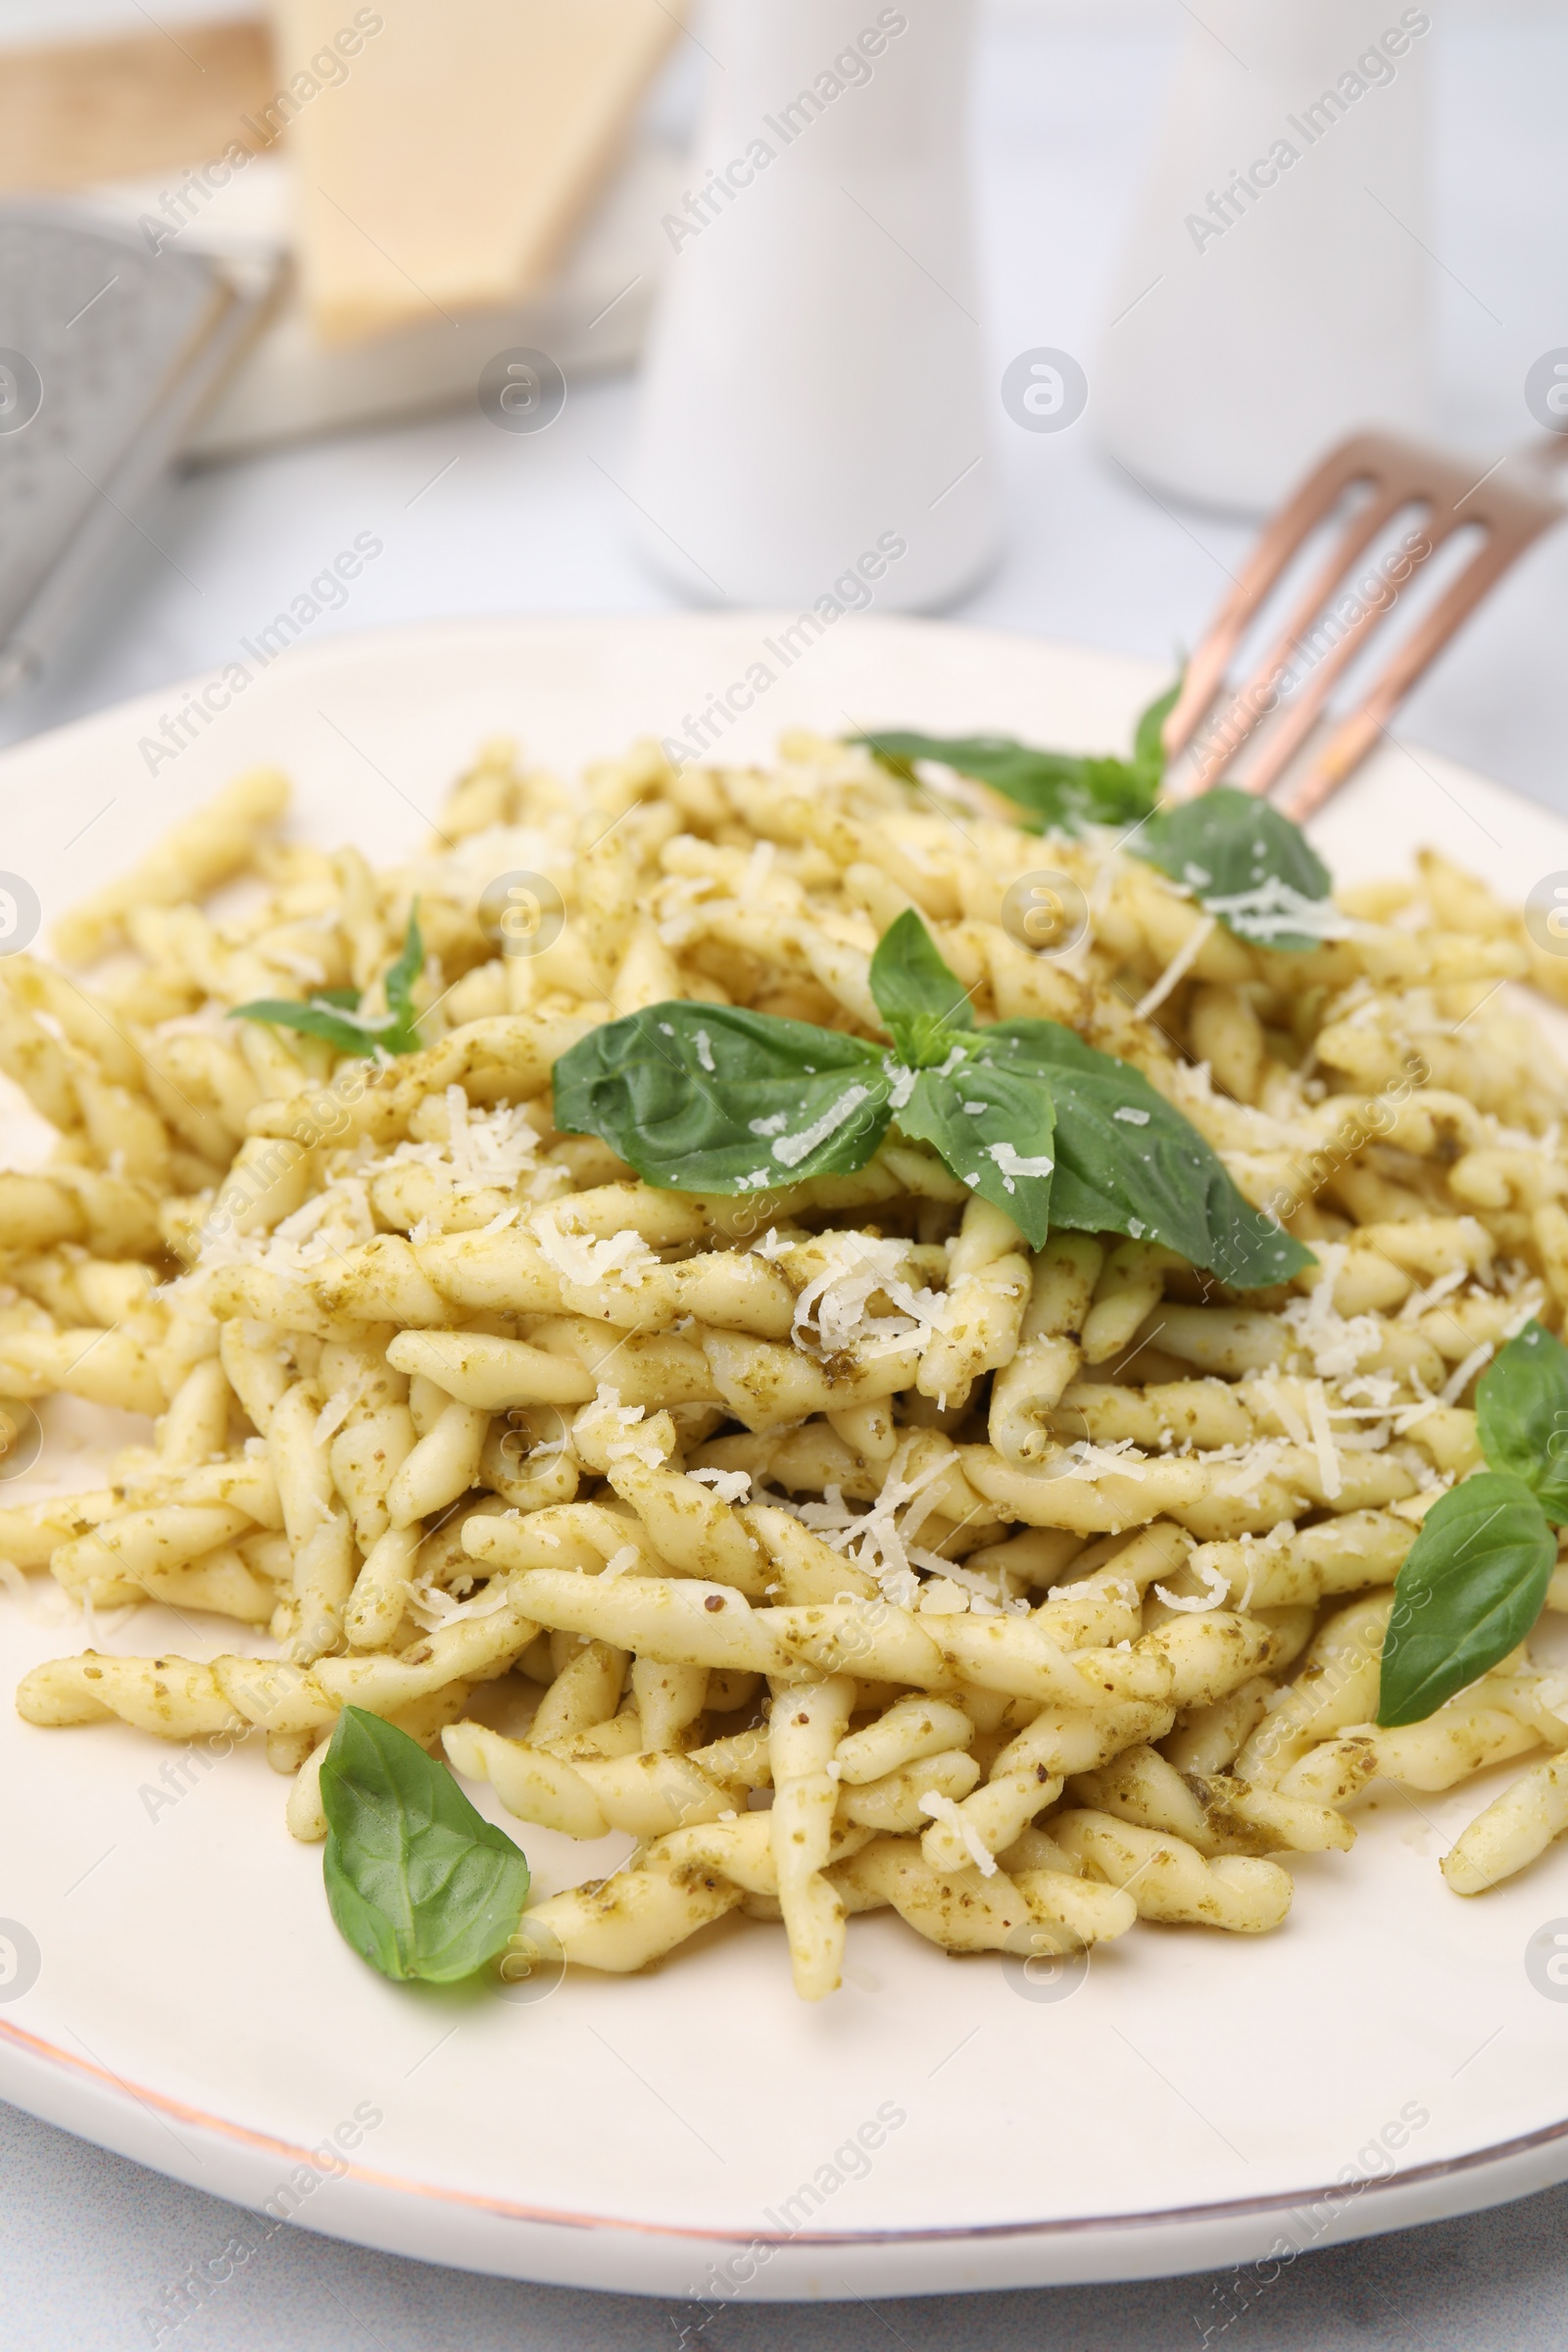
[
  {"x": 815, "y": 417},
  {"x": 1273, "y": 292}
]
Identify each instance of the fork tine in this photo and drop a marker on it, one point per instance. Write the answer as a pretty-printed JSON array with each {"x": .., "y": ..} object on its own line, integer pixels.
[
  {"x": 1510, "y": 513},
  {"x": 1299, "y": 721},
  {"x": 1249, "y": 705},
  {"x": 1356, "y": 736},
  {"x": 1356, "y": 460}
]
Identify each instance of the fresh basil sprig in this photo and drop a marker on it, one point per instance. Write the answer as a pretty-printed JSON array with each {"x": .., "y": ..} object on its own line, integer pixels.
[
  {"x": 959, "y": 1087},
  {"x": 1522, "y": 1416},
  {"x": 333, "y": 1012},
  {"x": 921, "y": 999},
  {"x": 1248, "y": 864},
  {"x": 709, "y": 1098},
  {"x": 1473, "y": 1583},
  {"x": 399, "y": 986},
  {"x": 1062, "y": 791},
  {"x": 1245, "y": 862},
  {"x": 419, "y": 1883}
]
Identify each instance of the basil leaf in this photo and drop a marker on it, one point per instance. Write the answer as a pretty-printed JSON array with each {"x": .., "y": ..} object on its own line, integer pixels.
[
  {"x": 333, "y": 1012},
  {"x": 705, "y": 1098},
  {"x": 316, "y": 1019},
  {"x": 1522, "y": 1416},
  {"x": 1149, "y": 751},
  {"x": 419, "y": 1883},
  {"x": 404, "y": 1036},
  {"x": 921, "y": 1000},
  {"x": 1000, "y": 761},
  {"x": 1247, "y": 864},
  {"x": 1128, "y": 1163},
  {"x": 994, "y": 1126},
  {"x": 1062, "y": 789},
  {"x": 712, "y": 1098},
  {"x": 1471, "y": 1587}
]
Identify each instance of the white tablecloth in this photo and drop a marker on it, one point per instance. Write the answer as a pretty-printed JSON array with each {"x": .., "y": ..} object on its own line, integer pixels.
[{"x": 478, "y": 521}]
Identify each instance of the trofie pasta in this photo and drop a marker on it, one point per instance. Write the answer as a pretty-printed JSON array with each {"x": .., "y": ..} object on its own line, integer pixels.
[{"x": 1017, "y": 1499}]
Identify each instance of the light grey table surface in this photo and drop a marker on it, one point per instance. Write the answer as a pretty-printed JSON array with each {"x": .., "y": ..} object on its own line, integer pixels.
[{"x": 476, "y": 521}]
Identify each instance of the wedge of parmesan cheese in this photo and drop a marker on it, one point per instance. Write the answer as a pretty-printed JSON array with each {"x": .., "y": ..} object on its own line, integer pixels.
[{"x": 443, "y": 167}]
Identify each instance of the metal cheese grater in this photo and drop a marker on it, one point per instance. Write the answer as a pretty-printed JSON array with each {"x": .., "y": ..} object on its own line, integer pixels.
[{"x": 107, "y": 355}]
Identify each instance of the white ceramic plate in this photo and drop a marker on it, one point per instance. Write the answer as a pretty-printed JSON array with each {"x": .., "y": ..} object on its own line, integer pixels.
[{"x": 1195, "y": 2099}]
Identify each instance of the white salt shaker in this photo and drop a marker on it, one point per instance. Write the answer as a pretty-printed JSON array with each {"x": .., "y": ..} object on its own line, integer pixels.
[
  {"x": 1273, "y": 293},
  {"x": 815, "y": 417}
]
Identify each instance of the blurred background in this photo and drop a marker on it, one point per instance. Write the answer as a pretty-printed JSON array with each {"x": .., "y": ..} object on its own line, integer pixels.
[{"x": 442, "y": 248}]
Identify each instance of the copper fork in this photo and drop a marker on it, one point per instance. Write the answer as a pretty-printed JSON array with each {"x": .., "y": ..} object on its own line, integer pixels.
[{"x": 1400, "y": 477}]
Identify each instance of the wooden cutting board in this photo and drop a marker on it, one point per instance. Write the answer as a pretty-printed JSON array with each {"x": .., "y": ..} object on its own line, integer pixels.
[
  {"x": 444, "y": 150},
  {"x": 89, "y": 110}
]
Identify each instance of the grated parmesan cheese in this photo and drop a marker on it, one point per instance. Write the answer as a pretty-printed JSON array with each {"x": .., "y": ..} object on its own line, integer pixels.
[
  {"x": 588, "y": 1259},
  {"x": 1454, "y": 1386},
  {"x": 730, "y": 1486},
  {"x": 983, "y": 1596},
  {"x": 1274, "y": 910},
  {"x": 1273, "y": 1394},
  {"x": 1216, "y": 1591},
  {"x": 618, "y": 1427},
  {"x": 873, "y": 1539},
  {"x": 485, "y": 1150},
  {"x": 1335, "y": 1343},
  {"x": 334, "y": 1412},
  {"x": 1419, "y": 1301},
  {"x": 1083, "y": 1459},
  {"x": 860, "y": 1268},
  {"x": 431, "y": 1607},
  {"x": 943, "y": 1809},
  {"x": 1328, "y": 1460},
  {"x": 1014, "y": 1165},
  {"x": 1176, "y": 972}
]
